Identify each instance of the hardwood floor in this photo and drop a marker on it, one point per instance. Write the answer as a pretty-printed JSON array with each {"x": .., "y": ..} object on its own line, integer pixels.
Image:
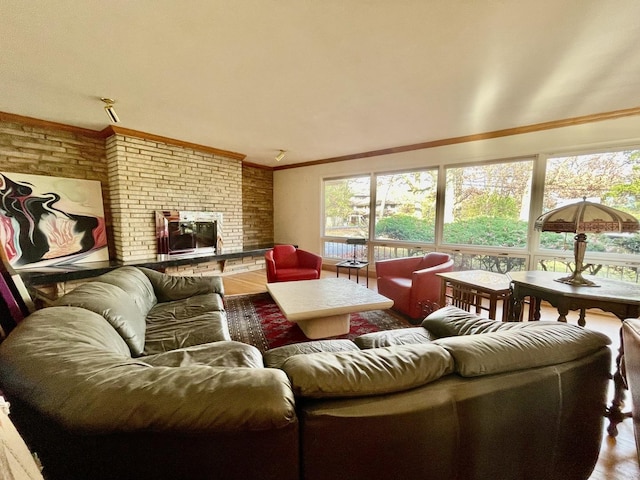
[{"x": 618, "y": 459}]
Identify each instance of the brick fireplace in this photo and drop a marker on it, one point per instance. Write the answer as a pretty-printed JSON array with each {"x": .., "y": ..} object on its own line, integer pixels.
[{"x": 141, "y": 173}]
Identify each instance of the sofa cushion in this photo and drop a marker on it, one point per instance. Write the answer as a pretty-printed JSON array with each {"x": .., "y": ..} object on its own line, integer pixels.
[
  {"x": 116, "y": 306},
  {"x": 290, "y": 274},
  {"x": 366, "y": 372},
  {"x": 184, "y": 323},
  {"x": 275, "y": 357},
  {"x": 135, "y": 283},
  {"x": 451, "y": 321},
  {"x": 536, "y": 344},
  {"x": 400, "y": 336},
  {"x": 176, "y": 287},
  {"x": 219, "y": 354}
]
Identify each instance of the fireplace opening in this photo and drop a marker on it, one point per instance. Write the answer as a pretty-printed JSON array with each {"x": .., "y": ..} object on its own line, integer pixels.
[{"x": 180, "y": 232}]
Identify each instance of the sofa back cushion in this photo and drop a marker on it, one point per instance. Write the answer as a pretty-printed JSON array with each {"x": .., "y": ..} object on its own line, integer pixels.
[
  {"x": 366, "y": 372},
  {"x": 482, "y": 346},
  {"x": 510, "y": 350},
  {"x": 135, "y": 283},
  {"x": 116, "y": 306}
]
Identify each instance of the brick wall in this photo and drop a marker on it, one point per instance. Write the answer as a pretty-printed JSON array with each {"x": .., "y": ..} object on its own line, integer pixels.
[
  {"x": 139, "y": 176},
  {"x": 38, "y": 149},
  {"x": 257, "y": 206},
  {"x": 146, "y": 175}
]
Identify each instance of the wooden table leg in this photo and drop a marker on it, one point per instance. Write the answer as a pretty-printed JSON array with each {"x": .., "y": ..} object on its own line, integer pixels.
[{"x": 614, "y": 413}]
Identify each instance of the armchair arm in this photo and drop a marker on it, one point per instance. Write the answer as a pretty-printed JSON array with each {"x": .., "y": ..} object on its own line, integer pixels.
[
  {"x": 177, "y": 287},
  {"x": 426, "y": 284},
  {"x": 271, "y": 266},
  {"x": 309, "y": 260}
]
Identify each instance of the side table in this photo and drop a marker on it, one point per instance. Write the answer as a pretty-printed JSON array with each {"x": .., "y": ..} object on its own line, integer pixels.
[
  {"x": 470, "y": 287},
  {"x": 353, "y": 265}
]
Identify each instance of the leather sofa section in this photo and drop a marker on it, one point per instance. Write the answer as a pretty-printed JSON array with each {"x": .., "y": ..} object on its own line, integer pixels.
[
  {"x": 116, "y": 306},
  {"x": 400, "y": 336},
  {"x": 464, "y": 428},
  {"x": 133, "y": 281},
  {"x": 275, "y": 357},
  {"x": 450, "y": 321},
  {"x": 174, "y": 287},
  {"x": 183, "y": 323},
  {"x": 94, "y": 386},
  {"x": 536, "y": 346},
  {"x": 366, "y": 372},
  {"x": 229, "y": 354}
]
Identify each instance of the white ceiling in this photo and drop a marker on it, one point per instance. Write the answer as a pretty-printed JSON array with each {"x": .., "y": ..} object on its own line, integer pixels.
[{"x": 320, "y": 79}]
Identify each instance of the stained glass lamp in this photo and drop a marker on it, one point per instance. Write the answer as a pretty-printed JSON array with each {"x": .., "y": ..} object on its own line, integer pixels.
[{"x": 582, "y": 218}]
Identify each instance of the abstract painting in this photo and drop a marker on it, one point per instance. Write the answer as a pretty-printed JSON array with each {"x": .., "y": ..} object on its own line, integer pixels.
[{"x": 47, "y": 221}]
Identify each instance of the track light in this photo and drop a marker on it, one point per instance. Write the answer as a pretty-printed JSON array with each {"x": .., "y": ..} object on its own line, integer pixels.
[
  {"x": 281, "y": 155},
  {"x": 111, "y": 112}
]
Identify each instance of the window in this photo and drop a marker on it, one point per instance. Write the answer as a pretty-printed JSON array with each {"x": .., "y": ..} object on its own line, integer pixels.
[
  {"x": 483, "y": 220},
  {"x": 610, "y": 178},
  {"x": 406, "y": 206},
  {"x": 346, "y": 213},
  {"x": 488, "y": 205}
]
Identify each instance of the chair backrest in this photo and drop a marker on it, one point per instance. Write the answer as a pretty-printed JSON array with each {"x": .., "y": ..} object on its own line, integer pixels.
[
  {"x": 285, "y": 256},
  {"x": 432, "y": 259}
]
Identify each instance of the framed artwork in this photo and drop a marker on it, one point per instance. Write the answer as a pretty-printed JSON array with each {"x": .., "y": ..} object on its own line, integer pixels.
[{"x": 47, "y": 221}]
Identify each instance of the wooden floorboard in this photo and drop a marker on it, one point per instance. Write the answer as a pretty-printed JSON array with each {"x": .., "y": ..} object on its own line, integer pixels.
[{"x": 618, "y": 459}]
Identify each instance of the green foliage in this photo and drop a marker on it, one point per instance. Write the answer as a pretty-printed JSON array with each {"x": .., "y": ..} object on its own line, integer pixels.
[
  {"x": 488, "y": 231},
  {"x": 489, "y": 204},
  {"x": 405, "y": 228},
  {"x": 337, "y": 200}
]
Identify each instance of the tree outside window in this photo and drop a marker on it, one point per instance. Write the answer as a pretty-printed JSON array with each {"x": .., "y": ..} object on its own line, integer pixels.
[
  {"x": 488, "y": 205},
  {"x": 406, "y": 206},
  {"x": 610, "y": 178}
]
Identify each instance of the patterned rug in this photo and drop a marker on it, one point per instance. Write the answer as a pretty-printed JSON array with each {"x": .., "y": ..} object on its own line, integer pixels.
[{"x": 257, "y": 320}]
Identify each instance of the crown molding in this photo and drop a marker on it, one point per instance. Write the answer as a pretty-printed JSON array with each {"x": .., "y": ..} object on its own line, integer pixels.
[
  {"x": 115, "y": 130},
  {"x": 568, "y": 122},
  {"x": 37, "y": 122}
]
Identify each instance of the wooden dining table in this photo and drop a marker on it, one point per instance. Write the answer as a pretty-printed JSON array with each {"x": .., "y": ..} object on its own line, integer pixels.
[{"x": 615, "y": 296}]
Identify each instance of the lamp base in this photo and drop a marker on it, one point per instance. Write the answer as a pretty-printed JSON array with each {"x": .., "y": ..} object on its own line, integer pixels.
[{"x": 577, "y": 280}]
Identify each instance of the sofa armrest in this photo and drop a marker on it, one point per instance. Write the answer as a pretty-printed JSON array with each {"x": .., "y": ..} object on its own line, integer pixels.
[
  {"x": 133, "y": 396},
  {"x": 177, "y": 287}
]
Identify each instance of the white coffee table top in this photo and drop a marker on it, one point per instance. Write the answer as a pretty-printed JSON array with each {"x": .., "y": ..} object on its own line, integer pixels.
[{"x": 308, "y": 299}]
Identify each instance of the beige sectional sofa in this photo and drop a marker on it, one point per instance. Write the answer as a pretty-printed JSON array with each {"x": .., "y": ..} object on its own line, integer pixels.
[{"x": 133, "y": 375}]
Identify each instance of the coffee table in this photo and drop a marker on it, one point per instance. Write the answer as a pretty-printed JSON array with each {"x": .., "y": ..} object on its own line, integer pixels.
[{"x": 322, "y": 308}]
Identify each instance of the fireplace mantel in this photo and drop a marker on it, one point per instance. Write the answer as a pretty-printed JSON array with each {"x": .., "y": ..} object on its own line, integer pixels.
[{"x": 80, "y": 271}]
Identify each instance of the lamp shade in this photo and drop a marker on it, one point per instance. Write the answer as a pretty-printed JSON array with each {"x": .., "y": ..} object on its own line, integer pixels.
[
  {"x": 582, "y": 218},
  {"x": 586, "y": 217}
]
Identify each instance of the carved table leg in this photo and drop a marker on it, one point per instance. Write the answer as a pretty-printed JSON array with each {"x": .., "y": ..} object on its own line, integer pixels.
[{"x": 614, "y": 412}]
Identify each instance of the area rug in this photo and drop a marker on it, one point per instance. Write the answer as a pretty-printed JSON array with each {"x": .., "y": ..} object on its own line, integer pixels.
[{"x": 257, "y": 320}]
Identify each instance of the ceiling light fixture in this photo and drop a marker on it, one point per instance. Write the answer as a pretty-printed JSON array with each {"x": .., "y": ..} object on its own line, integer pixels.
[
  {"x": 281, "y": 155},
  {"x": 111, "y": 112}
]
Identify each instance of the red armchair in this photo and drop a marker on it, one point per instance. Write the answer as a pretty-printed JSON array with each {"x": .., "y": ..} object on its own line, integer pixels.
[
  {"x": 411, "y": 282},
  {"x": 286, "y": 263}
]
